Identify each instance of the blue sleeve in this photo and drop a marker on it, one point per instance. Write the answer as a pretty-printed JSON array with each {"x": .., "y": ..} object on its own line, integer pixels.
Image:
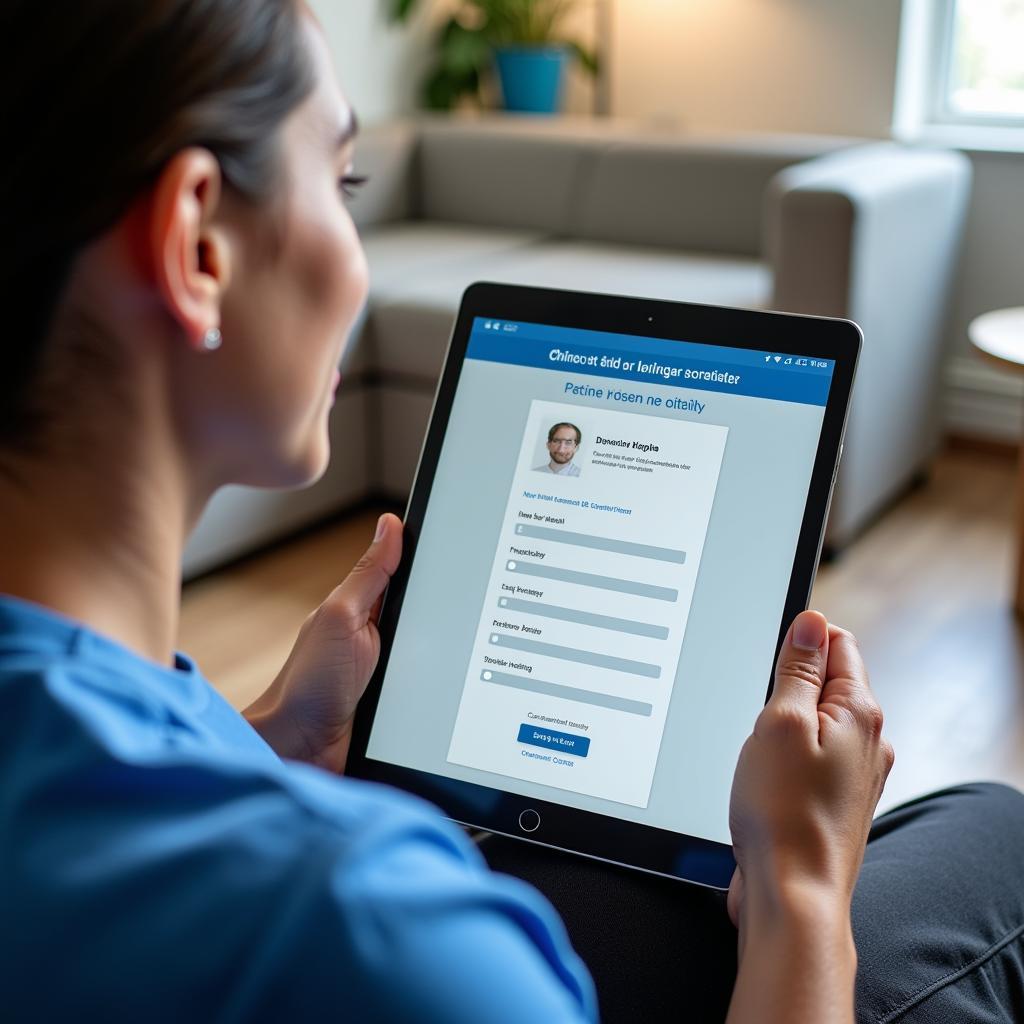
[
  {"x": 419, "y": 929},
  {"x": 160, "y": 887}
]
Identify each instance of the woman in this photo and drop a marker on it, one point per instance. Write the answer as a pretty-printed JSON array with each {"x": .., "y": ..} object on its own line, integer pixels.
[{"x": 181, "y": 275}]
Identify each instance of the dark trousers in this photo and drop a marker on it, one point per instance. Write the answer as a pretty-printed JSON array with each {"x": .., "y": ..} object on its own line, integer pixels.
[{"x": 938, "y": 920}]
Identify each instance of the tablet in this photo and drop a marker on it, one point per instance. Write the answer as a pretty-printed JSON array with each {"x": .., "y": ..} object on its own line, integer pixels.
[{"x": 618, "y": 511}]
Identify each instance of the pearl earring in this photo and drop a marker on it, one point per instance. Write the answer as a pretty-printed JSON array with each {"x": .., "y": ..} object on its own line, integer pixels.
[{"x": 212, "y": 339}]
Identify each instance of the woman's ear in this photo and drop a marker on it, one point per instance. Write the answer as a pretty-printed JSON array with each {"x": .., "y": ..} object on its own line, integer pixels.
[{"x": 191, "y": 254}]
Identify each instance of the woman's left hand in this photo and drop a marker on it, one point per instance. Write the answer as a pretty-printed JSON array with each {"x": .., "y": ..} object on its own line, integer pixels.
[{"x": 306, "y": 714}]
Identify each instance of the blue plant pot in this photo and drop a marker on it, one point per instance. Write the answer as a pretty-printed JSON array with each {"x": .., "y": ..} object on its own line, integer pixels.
[{"x": 532, "y": 77}]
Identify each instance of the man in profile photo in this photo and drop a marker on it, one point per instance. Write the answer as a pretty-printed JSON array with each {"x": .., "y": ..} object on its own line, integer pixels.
[{"x": 563, "y": 441}]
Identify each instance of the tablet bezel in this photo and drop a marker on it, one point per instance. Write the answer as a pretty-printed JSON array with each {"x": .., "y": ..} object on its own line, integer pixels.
[{"x": 608, "y": 838}]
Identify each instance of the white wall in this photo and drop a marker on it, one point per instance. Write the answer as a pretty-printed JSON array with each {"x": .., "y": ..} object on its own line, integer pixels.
[
  {"x": 380, "y": 64},
  {"x": 788, "y": 65}
]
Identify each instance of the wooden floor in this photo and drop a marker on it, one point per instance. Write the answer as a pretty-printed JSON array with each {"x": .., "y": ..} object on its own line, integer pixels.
[{"x": 927, "y": 591}]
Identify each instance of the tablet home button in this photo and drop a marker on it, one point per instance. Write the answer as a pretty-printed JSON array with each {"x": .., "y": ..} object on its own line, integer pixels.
[{"x": 529, "y": 820}]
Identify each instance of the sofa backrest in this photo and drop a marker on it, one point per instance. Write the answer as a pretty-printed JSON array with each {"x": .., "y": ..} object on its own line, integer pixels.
[
  {"x": 587, "y": 179},
  {"x": 518, "y": 173},
  {"x": 387, "y": 154},
  {"x": 701, "y": 195}
]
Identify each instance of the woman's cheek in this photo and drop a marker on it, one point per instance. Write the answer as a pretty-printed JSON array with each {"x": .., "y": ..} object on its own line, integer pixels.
[
  {"x": 351, "y": 276},
  {"x": 330, "y": 260}
]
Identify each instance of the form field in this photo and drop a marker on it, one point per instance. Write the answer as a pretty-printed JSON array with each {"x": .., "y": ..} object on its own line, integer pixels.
[
  {"x": 586, "y": 540},
  {"x": 521, "y": 643},
  {"x": 589, "y": 579},
  {"x": 551, "y": 611},
  {"x": 603, "y": 626},
  {"x": 598, "y": 700}
]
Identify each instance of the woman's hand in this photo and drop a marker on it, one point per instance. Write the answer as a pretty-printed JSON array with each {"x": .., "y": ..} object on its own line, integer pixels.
[
  {"x": 806, "y": 787},
  {"x": 307, "y": 712}
]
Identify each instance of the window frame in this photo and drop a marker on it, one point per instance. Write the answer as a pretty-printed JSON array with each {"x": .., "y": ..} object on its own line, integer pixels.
[{"x": 922, "y": 108}]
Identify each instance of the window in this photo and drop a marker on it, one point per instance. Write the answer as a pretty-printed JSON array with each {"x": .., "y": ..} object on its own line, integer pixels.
[
  {"x": 984, "y": 69},
  {"x": 961, "y": 73}
]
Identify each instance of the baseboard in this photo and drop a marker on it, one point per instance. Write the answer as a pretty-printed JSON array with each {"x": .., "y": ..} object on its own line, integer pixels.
[{"x": 981, "y": 401}]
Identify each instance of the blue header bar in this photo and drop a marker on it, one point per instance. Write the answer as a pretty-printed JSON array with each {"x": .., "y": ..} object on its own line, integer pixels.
[{"x": 681, "y": 364}]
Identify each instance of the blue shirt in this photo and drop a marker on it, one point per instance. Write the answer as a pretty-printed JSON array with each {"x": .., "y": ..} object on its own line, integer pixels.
[{"x": 159, "y": 862}]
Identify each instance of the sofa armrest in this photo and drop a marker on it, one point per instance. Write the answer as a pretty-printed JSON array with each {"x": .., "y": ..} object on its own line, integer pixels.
[
  {"x": 387, "y": 154},
  {"x": 838, "y": 225},
  {"x": 874, "y": 234}
]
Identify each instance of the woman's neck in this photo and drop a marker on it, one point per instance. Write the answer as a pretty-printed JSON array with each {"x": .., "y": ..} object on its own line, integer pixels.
[{"x": 99, "y": 540}]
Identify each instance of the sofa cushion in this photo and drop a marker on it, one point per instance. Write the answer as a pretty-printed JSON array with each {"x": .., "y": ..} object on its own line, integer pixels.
[
  {"x": 410, "y": 334},
  {"x": 650, "y": 272},
  {"x": 400, "y": 254},
  {"x": 411, "y": 326},
  {"x": 703, "y": 196}
]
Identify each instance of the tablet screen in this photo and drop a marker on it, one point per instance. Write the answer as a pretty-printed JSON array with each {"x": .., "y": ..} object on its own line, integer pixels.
[{"x": 602, "y": 568}]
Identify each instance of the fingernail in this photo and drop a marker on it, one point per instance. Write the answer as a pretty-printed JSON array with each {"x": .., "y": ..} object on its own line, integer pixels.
[
  {"x": 809, "y": 632},
  {"x": 380, "y": 530}
]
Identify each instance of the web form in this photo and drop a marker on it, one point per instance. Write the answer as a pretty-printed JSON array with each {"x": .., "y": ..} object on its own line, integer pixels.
[{"x": 578, "y": 639}]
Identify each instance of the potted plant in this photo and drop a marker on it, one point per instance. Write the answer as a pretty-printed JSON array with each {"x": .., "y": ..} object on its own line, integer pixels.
[{"x": 521, "y": 38}]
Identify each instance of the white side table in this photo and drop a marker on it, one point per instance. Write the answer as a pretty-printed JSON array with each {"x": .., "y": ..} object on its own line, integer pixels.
[{"x": 999, "y": 337}]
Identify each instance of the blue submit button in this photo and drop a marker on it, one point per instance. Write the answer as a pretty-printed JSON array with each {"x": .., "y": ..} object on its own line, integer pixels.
[{"x": 566, "y": 742}]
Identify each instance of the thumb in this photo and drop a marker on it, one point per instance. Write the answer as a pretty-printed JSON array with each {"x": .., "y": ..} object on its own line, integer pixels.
[
  {"x": 800, "y": 672},
  {"x": 361, "y": 589}
]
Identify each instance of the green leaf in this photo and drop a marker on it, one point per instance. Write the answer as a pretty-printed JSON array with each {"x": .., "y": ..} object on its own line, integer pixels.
[
  {"x": 443, "y": 89},
  {"x": 401, "y": 9},
  {"x": 464, "y": 50},
  {"x": 588, "y": 59},
  {"x": 439, "y": 91}
]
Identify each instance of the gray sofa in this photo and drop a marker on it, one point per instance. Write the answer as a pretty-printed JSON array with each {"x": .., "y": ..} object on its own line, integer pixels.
[{"x": 808, "y": 224}]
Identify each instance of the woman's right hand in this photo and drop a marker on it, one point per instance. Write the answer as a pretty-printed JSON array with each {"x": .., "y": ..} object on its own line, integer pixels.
[{"x": 806, "y": 787}]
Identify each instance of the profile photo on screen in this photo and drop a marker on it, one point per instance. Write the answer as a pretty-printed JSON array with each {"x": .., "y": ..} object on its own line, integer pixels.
[{"x": 562, "y": 444}]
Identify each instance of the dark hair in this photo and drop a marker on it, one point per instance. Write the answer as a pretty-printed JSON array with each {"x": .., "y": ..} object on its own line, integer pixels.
[
  {"x": 95, "y": 97},
  {"x": 558, "y": 426}
]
